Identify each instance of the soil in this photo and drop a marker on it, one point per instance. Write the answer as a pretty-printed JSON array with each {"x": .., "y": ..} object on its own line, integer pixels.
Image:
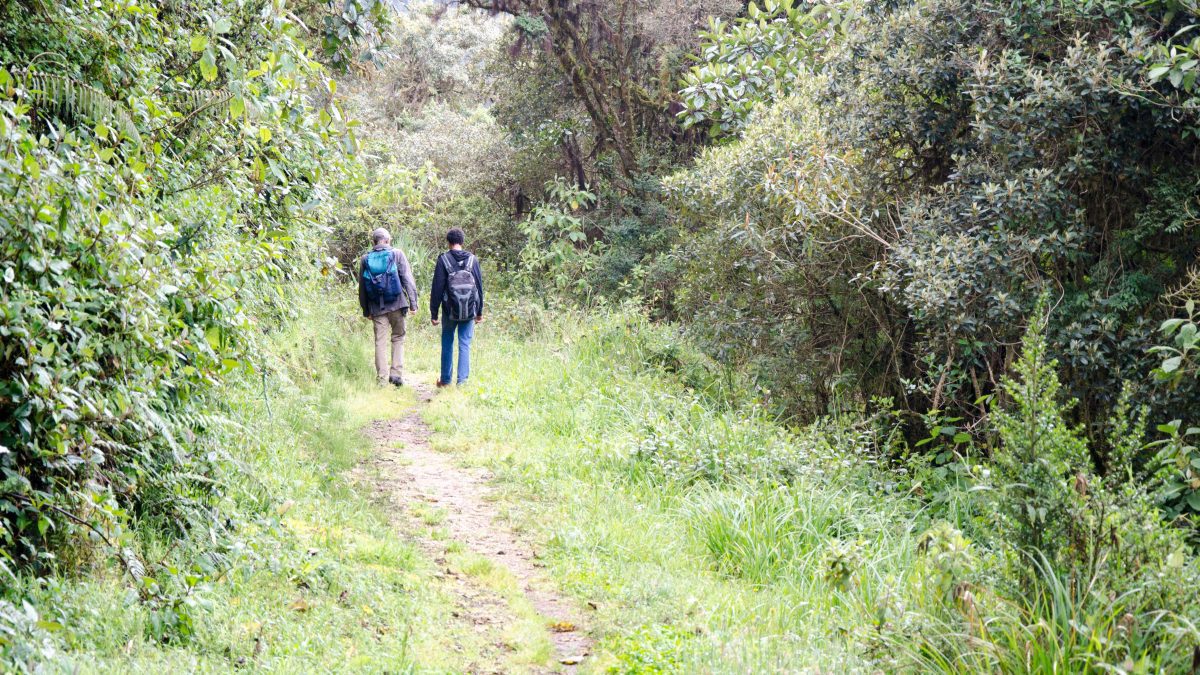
[{"x": 409, "y": 473}]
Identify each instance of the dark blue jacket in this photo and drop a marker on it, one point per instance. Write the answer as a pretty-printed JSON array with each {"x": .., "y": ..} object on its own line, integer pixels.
[{"x": 441, "y": 280}]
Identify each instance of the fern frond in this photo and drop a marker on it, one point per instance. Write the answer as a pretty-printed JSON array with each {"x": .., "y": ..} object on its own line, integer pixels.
[
  {"x": 71, "y": 100},
  {"x": 191, "y": 103}
]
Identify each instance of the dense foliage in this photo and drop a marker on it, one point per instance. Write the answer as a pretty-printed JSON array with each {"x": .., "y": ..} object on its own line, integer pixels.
[
  {"x": 586, "y": 92},
  {"x": 933, "y": 360},
  {"x": 157, "y": 168},
  {"x": 885, "y": 224}
]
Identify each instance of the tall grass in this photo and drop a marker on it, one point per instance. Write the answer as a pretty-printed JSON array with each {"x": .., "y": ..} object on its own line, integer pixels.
[
  {"x": 1055, "y": 630},
  {"x": 712, "y": 538}
]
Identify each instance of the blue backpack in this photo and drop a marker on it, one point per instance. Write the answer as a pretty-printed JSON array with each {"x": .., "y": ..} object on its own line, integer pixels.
[{"x": 381, "y": 279}]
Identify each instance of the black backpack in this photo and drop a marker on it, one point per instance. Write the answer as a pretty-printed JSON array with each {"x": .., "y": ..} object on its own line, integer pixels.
[{"x": 461, "y": 299}]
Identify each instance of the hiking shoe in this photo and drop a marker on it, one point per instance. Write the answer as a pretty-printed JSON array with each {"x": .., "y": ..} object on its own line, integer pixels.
[
  {"x": 441, "y": 384},
  {"x": 396, "y": 381}
]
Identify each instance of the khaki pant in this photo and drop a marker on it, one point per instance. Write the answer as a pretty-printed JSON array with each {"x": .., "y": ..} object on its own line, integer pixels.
[{"x": 389, "y": 328}]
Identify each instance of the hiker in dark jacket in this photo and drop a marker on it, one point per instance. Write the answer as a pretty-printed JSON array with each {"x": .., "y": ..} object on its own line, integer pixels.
[
  {"x": 386, "y": 293},
  {"x": 458, "y": 295}
]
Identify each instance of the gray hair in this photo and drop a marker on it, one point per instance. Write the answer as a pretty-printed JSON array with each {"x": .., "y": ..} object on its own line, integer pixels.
[{"x": 381, "y": 236}]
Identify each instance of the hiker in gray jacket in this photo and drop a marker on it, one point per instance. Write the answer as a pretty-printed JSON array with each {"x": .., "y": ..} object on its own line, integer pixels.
[{"x": 386, "y": 293}]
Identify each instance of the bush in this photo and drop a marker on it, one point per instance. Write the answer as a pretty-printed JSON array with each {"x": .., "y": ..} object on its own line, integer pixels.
[
  {"x": 1041, "y": 465},
  {"x": 885, "y": 217},
  {"x": 146, "y": 223}
]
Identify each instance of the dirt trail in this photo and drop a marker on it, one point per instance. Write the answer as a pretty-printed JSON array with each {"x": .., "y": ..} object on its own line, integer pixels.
[{"x": 410, "y": 473}]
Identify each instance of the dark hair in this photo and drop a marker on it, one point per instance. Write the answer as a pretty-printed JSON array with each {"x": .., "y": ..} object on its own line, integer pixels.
[{"x": 456, "y": 236}]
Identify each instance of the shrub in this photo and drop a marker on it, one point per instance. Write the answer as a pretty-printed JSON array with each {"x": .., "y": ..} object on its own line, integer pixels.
[
  {"x": 1042, "y": 464},
  {"x": 887, "y": 211},
  {"x": 146, "y": 222},
  {"x": 1178, "y": 459}
]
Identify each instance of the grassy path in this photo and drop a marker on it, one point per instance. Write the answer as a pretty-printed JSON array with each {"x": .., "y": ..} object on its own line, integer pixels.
[
  {"x": 578, "y": 498},
  {"x": 498, "y": 588},
  {"x": 701, "y": 536}
]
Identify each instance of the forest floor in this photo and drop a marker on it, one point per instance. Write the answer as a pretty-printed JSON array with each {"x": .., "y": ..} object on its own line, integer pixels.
[{"x": 493, "y": 576}]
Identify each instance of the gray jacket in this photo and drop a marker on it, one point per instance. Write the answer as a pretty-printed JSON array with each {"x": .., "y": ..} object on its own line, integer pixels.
[{"x": 407, "y": 300}]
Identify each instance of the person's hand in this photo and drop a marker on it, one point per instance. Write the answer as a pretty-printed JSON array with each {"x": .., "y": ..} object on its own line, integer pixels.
[
  {"x": 479, "y": 319},
  {"x": 435, "y": 322}
]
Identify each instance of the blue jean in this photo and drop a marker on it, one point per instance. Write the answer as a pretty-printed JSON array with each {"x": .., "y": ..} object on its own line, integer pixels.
[{"x": 466, "y": 331}]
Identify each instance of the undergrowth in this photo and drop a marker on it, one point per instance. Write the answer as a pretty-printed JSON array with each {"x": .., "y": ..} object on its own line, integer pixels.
[
  {"x": 710, "y": 537},
  {"x": 297, "y": 571},
  {"x": 705, "y": 534}
]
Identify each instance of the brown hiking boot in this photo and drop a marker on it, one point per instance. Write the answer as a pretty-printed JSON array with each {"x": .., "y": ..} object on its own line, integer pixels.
[{"x": 441, "y": 384}]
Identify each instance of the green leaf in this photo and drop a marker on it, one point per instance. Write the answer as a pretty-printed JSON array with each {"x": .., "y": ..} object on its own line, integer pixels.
[
  {"x": 222, "y": 26},
  {"x": 1171, "y": 325},
  {"x": 199, "y": 43},
  {"x": 31, "y": 167},
  {"x": 264, "y": 134},
  {"x": 1170, "y": 427},
  {"x": 208, "y": 65},
  {"x": 1193, "y": 500},
  {"x": 1172, "y": 364},
  {"x": 1187, "y": 335}
]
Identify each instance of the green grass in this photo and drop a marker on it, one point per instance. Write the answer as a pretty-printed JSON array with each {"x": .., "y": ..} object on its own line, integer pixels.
[
  {"x": 661, "y": 506},
  {"x": 320, "y": 582},
  {"x": 698, "y": 534},
  {"x": 709, "y": 538}
]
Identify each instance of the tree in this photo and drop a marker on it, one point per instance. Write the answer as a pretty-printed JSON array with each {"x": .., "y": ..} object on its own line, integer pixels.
[
  {"x": 979, "y": 162},
  {"x": 608, "y": 53}
]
